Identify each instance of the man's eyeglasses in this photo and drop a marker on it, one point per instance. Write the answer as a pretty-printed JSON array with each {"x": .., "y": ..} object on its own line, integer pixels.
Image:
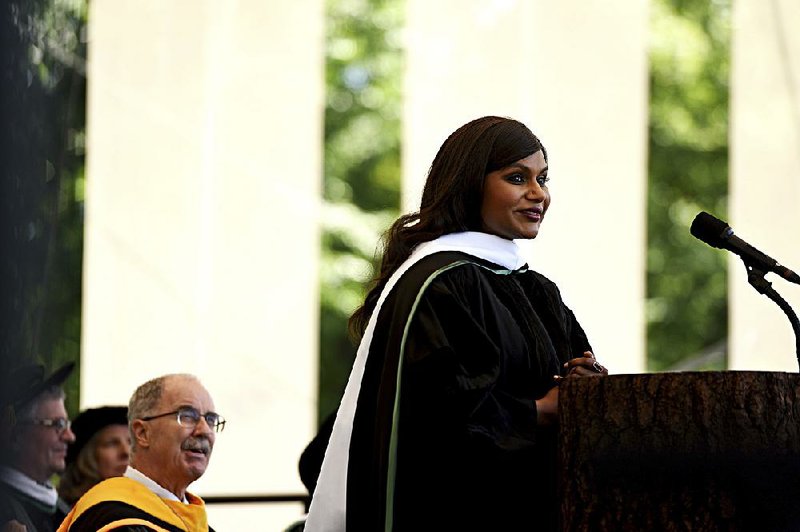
[
  {"x": 189, "y": 417},
  {"x": 59, "y": 424}
]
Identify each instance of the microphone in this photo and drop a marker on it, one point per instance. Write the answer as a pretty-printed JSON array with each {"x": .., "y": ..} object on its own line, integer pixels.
[{"x": 719, "y": 234}]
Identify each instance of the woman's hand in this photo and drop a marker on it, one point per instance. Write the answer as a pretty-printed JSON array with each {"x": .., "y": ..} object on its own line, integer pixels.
[
  {"x": 547, "y": 408},
  {"x": 585, "y": 366}
]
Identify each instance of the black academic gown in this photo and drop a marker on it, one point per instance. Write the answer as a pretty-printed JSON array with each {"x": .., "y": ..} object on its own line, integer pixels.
[
  {"x": 474, "y": 345},
  {"x": 16, "y": 506}
]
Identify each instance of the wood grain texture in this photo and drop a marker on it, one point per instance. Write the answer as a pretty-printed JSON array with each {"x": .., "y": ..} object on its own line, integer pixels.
[{"x": 680, "y": 451}]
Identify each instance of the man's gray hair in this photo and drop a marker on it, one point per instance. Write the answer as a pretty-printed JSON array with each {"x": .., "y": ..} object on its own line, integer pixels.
[
  {"x": 27, "y": 411},
  {"x": 146, "y": 397}
]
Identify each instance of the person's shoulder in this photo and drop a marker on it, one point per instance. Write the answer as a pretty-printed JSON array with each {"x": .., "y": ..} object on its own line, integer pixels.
[
  {"x": 540, "y": 283},
  {"x": 6, "y": 494},
  {"x": 467, "y": 279},
  {"x": 542, "y": 279},
  {"x": 10, "y": 506},
  {"x": 119, "y": 515},
  {"x": 448, "y": 267},
  {"x": 115, "y": 489},
  {"x": 16, "y": 506},
  {"x": 429, "y": 268},
  {"x": 458, "y": 261},
  {"x": 449, "y": 273},
  {"x": 441, "y": 260},
  {"x": 119, "y": 500}
]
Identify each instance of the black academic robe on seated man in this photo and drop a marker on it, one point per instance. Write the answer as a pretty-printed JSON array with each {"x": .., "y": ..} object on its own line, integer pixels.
[{"x": 29, "y": 503}]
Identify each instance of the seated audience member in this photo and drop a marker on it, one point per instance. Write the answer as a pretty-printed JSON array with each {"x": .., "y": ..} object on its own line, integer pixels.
[
  {"x": 173, "y": 427},
  {"x": 101, "y": 450},
  {"x": 34, "y": 434}
]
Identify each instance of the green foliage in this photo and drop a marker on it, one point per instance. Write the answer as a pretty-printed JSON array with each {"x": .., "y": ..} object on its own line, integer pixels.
[
  {"x": 349, "y": 238},
  {"x": 361, "y": 170},
  {"x": 362, "y": 113},
  {"x": 688, "y": 169},
  {"x": 43, "y": 96}
]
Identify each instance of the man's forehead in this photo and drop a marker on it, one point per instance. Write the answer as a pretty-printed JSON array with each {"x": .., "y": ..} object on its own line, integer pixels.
[
  {"x": 185, "y": 391},
  {"x": 50, "y": 408}
]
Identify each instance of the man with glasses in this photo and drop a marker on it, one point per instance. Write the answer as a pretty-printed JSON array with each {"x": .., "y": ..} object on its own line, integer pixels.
[
  {"x": 173, "y": 426},
  {"x": 34, "y": 435}
]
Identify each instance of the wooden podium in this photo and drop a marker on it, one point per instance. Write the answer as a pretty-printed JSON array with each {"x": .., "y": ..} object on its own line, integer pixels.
[{"x": 680, "y": 451}]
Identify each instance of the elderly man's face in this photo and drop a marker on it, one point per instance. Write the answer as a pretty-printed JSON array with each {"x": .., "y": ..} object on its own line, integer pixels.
[
  {"x": 180, "y": 454},
  {"x": 42, "y": 449}
]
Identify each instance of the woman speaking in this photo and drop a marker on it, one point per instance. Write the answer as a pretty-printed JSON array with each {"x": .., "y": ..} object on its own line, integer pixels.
[{"x": 447, "y": 421}]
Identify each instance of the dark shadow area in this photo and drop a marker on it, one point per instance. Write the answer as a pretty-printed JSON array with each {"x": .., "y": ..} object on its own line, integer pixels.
[{"x": 42, "y": 109}]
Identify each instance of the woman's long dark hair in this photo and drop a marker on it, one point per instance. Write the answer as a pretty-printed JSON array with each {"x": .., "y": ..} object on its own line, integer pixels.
[{"x": 452, "y": 197}]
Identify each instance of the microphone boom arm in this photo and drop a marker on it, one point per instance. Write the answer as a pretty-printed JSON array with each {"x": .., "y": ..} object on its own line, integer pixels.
[{"x": 756, "y": 279}]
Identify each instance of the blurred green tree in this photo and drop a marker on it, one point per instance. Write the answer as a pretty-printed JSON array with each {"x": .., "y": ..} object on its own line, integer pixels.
[
  {"x": 361, "y": 170},
  {"x": 688, "y": 173}
]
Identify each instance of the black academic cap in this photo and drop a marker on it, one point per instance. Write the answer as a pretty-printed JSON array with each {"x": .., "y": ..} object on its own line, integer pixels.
[
  {"x": 21, "y": 385},
  {"x": 90, "y": 422}
]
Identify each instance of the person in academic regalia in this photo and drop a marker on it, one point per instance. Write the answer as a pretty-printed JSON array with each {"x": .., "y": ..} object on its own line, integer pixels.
[
  {"x": 173, "y": 427},
  {"x": 34, "y": 435},
  {"x": 447, "y": 421},
  {"x": 101, "y": 450}
]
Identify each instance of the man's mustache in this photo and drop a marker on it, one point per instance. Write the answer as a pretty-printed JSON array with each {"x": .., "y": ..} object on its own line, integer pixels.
[{"x": 197, "y": 444}]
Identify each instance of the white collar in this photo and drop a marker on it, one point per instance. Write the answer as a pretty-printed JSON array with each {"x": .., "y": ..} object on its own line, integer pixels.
[
  {"x": 134, "y": 474},
  {"x": 493, "y": 248},
  {"x": 44, "y": 494}
]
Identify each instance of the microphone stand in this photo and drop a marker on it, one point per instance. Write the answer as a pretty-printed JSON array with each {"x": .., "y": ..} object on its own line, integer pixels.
[{"x": 756, "y": 279}]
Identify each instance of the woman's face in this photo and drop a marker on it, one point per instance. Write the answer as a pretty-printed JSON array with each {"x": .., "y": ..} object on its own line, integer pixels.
[
  {"x": 515, "y": 198},
  {"x": 112, "y": 451}
]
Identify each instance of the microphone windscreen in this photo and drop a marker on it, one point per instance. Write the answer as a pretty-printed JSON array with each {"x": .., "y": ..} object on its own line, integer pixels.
[{"x": 709, "y": 229}]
